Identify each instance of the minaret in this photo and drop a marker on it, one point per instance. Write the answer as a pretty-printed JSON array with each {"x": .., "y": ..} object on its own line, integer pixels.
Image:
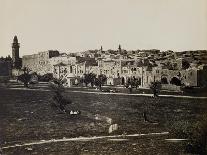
[
  {"x": 119, "y": 49},
  {"x": 15, "y": 53}
]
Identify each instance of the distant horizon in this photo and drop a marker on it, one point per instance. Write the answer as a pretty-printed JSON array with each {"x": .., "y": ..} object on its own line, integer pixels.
[
  {"x": 72, "y": 26},
  {"x": 36, "y": 52}
]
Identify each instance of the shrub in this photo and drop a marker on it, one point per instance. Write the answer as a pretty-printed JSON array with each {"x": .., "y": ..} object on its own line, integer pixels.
[
  {"x": 4, "y": 79},
  {"x": 46, "y": 77}
]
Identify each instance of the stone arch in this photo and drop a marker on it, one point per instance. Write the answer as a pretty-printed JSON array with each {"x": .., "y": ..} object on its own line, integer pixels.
[
  {"x": 123, "y": 81},
  {"x": 175, "y": 81},
  {"x": 164, "y": 80}
]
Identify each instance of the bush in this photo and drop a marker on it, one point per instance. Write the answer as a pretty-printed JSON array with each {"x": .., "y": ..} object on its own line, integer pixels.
[
  {"x": 155, "y": 87},
  {"x": 46, "y": 77},
  {"x": 4, "y": 79},
  {"x": 25, "y": 78},
  {"x": 56, "y": 85}
]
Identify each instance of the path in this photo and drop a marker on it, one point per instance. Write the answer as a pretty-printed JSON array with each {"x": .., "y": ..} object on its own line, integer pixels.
[{"x": 81, "y": 139}]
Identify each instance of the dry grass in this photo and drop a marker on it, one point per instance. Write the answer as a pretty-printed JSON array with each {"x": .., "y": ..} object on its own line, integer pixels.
[{"x": 26, "y": 116}]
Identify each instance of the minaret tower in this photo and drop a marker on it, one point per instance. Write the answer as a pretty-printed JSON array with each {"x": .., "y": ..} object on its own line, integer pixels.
[
  {"x": 15, "y": 53},
  {"x": 119, "y": 49}
]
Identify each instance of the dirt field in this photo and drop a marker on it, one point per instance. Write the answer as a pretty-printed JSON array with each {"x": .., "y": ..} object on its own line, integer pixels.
[{"x": 26, "y": 116}]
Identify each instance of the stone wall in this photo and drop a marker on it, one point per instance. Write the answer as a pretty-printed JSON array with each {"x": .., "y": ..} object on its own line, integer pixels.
[
  {"x": 39, "y": 63},
  {"x": 170, "y": 87},
  {"x": 16, "y": 72}
]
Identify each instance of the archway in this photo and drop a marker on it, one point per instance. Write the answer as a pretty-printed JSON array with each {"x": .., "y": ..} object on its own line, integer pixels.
[
  {"x": 164, "y": 80},
  {"x": 122, "y": 81},
  {"x": 175, "y": 81}
]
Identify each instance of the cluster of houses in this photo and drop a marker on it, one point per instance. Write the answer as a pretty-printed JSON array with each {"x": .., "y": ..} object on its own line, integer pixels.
[{"x": 172, "y": 69}]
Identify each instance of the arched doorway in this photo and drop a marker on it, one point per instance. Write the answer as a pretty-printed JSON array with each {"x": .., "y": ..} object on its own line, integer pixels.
[
  {"x": 122, "y": 81},
  {"x": 164, "y": 80},
  {"x": 175, "y": 81}
]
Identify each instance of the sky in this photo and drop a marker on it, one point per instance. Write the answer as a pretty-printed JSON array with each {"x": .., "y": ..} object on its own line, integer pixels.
[{"x": 79, "y": 25}]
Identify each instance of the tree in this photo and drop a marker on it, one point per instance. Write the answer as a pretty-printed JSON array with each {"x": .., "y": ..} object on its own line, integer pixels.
[
  {"x": 92, "y": 77},
  {"x": 89, "y": 78},
  {"x": 59, "y": 101},
  {"x": 46, "y": 77},
  {"x": 100, "y": 80},
  {"x": 25, "y": 77},
  {"x": 133, "y": 83},
  {"x": 86, "y": 79},
  {"x": 155, "y": 87},
  {"x": 129, "y": 84}
]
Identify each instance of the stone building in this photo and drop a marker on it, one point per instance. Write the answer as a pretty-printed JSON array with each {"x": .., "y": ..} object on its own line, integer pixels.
[
  {"x": 146, "y": 66},
  {"x": 67, "y": 72},
  {"x": 173, "y": 79},
  {"x": 73, "y": 72},
  {"x": 70, "y": 72},
  {"x": 112, "y": 70},
  {"x": 64, "y": 58},
  {"x": 39, "y": 63}
]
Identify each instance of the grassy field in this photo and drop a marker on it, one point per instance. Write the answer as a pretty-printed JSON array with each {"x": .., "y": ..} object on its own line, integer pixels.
[{"x": 27, "y": 116}]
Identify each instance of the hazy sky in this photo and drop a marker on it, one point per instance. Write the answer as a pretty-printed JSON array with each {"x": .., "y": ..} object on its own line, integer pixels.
[{"x": 78, "y": 25}]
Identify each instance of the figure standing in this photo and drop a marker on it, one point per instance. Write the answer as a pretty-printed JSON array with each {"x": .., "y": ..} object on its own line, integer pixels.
[{"x": 145, "y": 116}]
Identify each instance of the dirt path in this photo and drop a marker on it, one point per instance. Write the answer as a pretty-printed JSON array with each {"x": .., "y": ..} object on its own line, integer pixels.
[
  {"x": 88, "y": 92},
  {"x": 81, "y": 139}
]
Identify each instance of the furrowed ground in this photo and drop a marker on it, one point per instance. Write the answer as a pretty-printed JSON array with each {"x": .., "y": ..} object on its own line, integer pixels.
[{"x": 26, "y": 116}]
